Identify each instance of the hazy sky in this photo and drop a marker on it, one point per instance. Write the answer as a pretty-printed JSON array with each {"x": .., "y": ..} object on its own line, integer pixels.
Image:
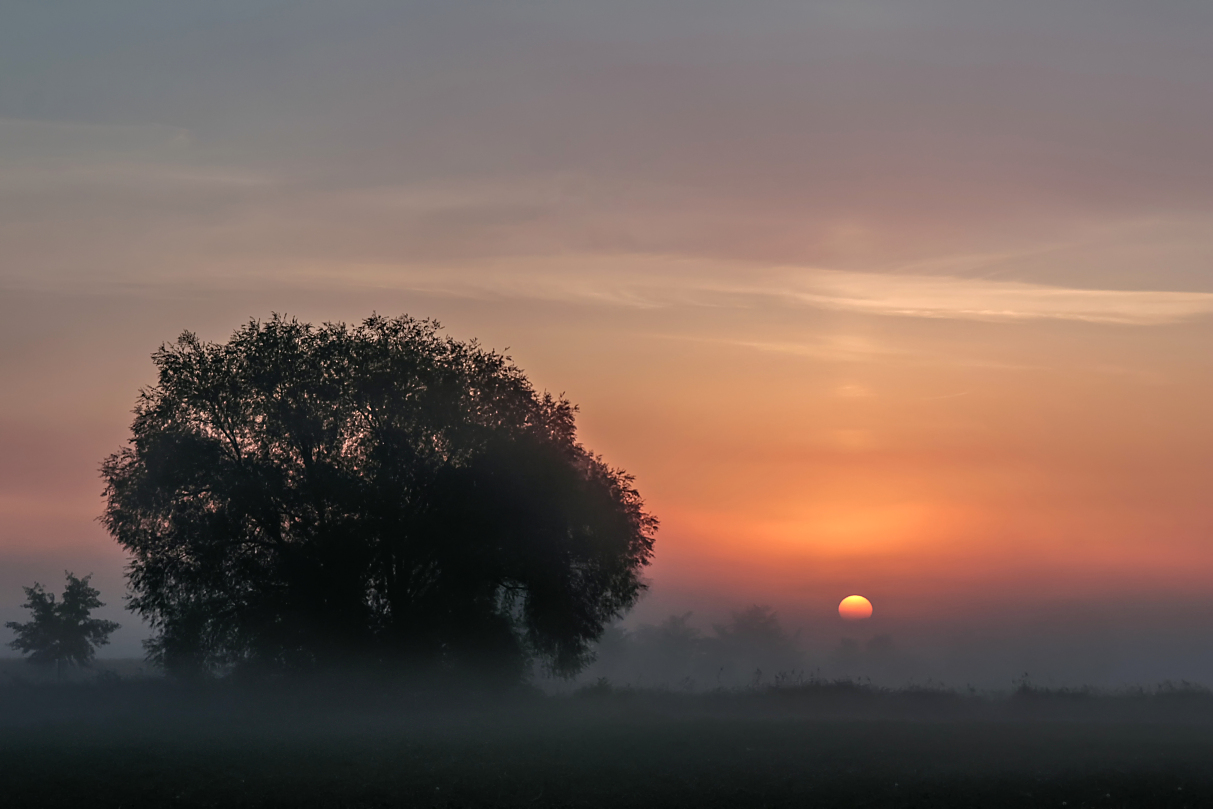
[{"x": 910, "y": 299}]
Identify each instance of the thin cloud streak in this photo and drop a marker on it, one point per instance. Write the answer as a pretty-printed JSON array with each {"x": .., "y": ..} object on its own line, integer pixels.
[
  {"x": 647, "y": 282},
  {"x": 980, "y": 299},
  {"x": 837, "y": 349},
  {"x": 898, "y": 295}
]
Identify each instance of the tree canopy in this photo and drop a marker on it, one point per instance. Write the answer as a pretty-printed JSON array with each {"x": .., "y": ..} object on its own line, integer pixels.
[
  {"x": 302, "y": 497},
  {"x": 62, "y": 631}
]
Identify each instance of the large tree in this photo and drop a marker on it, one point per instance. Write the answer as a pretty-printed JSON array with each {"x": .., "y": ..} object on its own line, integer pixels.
[{"x": 304, "y": 497}]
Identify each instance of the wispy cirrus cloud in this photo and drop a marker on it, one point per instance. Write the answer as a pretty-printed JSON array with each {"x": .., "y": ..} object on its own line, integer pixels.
[
  {"x": 982, "y": 299},
  {"x": 648, "y": 283}
]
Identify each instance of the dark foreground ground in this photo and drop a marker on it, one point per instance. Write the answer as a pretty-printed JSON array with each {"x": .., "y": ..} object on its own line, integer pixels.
[{"x": 147, "y": 743}]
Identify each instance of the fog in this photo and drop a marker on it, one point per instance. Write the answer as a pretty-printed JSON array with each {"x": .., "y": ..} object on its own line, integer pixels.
[
  {"x": 139, "y": 742},
  {"x": 1067, "y": 645},
  {"x": 1063, "y": 645}
]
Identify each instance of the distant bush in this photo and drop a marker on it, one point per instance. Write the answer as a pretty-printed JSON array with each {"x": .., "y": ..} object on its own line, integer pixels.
[{"x": 751, "y": 649}]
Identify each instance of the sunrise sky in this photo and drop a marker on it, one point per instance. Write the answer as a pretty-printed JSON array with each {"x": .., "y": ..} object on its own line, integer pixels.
[{"x": 911, "y": 299}]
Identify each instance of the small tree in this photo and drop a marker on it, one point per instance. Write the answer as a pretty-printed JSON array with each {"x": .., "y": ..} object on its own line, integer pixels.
[{"x": 62, "y": 631}]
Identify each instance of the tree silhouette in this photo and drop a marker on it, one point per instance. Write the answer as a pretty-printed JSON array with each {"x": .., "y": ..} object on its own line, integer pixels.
[
  {"x": 62, "y": 631},
  {"x": 754, "y": 638},
  {"x": 673, "y": 650},
  {"x": 304, "y": 497}
]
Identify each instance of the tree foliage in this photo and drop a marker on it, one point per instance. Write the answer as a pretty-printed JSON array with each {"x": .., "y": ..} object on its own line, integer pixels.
[
  {"x": 62, "y": 631},
  {"x": 308, "y": 496}
]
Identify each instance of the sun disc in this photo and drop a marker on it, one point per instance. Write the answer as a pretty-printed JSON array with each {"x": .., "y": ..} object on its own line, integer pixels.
[{"x": 855, "y": 608}]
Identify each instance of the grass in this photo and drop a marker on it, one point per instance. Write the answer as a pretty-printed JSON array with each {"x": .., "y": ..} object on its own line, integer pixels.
[{"x": 129, "y": 744}]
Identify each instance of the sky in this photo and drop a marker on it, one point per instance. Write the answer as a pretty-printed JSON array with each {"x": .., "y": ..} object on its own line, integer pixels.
[{"x": 912, "y": 299}]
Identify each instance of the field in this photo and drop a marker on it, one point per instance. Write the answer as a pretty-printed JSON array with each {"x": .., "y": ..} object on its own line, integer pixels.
[{"x": 136, "y": 743}]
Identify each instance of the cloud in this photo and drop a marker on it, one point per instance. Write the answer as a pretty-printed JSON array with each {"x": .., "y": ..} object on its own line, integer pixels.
[
  {"x": 981, "y": 299},
  {"x": 647, "y": 282},
  {"x": 30, "y": 139}
]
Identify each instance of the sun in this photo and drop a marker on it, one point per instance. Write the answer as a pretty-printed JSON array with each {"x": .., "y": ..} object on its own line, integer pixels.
[{"x": 855, "y": 608}]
